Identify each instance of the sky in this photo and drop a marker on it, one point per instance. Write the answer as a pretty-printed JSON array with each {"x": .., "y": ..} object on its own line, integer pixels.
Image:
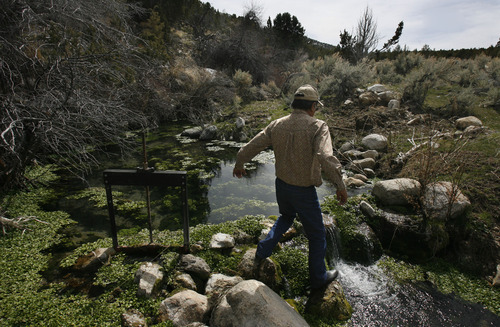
[{"x": 440, "y": 24}]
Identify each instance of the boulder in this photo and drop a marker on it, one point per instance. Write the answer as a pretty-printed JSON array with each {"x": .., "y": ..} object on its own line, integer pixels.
[
  {"x": 443, "y": 200},
  {"x": 364, "y": 163},
  {"x": 396, "y": 192},
  {"x": 266, "y": 272},
  {"x": 208, "y": 133},
  {"x": 377, "y": 88},
  {"x": 404, "y": 235},
  {"x": 375, "y": 142},
  {"x": 251, "y": 303},
  {"x": 369, "y": 154},
  {"x": 361, "y": 245},
  {"x": 193, "y": 132},
  {"x": 195, "y": 265},
  {"x": 218, "y": 285},
  {"x": 184, "y": 308},
  {"x": 149, "y": 277},
  {"x": 222, "y": 241},
  {"x": 329, "y": 303},
  {"x": 464, "y": 122},
  {"x": 185, "y": 281}
]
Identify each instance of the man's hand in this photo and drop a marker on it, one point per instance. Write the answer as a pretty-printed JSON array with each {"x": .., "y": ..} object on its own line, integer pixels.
[
  {"x": 342, "y": 196},
  {"x": 239, "y": 172}
]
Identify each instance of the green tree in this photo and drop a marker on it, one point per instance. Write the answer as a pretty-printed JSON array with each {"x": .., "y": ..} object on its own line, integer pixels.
[
  {"x": 395, "y": 39},
  {"x": 288, "y": 28},
  {"x": 153, "y": 31},
  {"x": 347, "y": 42}
]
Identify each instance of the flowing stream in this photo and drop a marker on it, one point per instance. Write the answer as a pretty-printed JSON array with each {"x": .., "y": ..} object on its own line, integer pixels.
[{"x": 377, "y": 300}]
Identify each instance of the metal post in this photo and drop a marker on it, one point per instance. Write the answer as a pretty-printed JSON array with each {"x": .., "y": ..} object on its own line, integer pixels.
[
  {"x": 185, "y": 214},
  {"x": 111, "y": 212}
]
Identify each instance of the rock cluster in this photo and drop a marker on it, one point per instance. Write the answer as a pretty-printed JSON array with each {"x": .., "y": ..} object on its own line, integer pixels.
[{"x": 248, "y": 298}]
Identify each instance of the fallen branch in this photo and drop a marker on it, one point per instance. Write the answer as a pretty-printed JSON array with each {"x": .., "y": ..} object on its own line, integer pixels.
[{"x": 18, "y": 223}]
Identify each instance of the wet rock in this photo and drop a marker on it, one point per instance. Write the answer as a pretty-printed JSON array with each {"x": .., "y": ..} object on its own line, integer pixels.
[
  {"x": 464, "y": 122},
  {"x": 133, "y": 318},
  {"x": 251, "y": 303},
  {"x": 208, "y": 133},
  {"x": 375, "y": 142},
  {"x": 195, "y": 265},
  {"x": 193, "y": 132},
  {"x": 329, "y": 303},
  {"x": 149, "y": 277},
  {"x": 397, "y": 192},
  {"x": 184, "y": 308},
  {"x": 443, "y": 200},
  {"x": 222, "y": 241}
]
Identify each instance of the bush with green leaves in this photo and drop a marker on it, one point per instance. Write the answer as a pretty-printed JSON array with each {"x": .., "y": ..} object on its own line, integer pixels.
[
  {"x": 406, "y": 62},
  {"x": 344, "y": 79}
]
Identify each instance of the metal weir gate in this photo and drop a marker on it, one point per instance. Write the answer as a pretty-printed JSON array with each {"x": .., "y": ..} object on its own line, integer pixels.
[{"x": 141, "y": 177}]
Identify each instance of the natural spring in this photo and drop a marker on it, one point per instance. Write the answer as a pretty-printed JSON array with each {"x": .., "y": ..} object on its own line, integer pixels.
[{"x": 216, "y": 196}]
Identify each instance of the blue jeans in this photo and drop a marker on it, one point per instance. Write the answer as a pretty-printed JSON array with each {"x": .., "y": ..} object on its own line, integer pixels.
[{"x": 293, "y": 200}]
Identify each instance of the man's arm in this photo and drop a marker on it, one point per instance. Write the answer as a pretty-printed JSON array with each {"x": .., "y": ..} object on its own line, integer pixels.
[{"x": 260, "y": 142}]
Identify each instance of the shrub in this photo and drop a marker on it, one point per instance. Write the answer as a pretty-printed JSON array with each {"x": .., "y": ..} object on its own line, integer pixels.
[
  {"x": 386, "y": 72},
  {"x": 461, "y": 102},
  {"x": 243, "y": 83},
  {"x": 406, "y": 61},
  {"x": 344, "y": 79}
]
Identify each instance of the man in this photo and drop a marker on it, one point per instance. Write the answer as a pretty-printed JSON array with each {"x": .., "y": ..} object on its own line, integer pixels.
[{"x": 303, "y": 148}]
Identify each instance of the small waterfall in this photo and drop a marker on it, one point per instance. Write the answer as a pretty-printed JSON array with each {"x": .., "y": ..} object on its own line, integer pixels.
[
  {"x": 379, "y": 301},
  {"x": 333, "y": 246}
]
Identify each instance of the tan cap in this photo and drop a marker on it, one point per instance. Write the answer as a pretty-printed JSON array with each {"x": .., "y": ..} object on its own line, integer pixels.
[{"x": 308, "y": 93}]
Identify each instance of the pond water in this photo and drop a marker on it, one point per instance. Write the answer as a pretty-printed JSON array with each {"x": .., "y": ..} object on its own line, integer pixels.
[{"x": 214, "y": 194}]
